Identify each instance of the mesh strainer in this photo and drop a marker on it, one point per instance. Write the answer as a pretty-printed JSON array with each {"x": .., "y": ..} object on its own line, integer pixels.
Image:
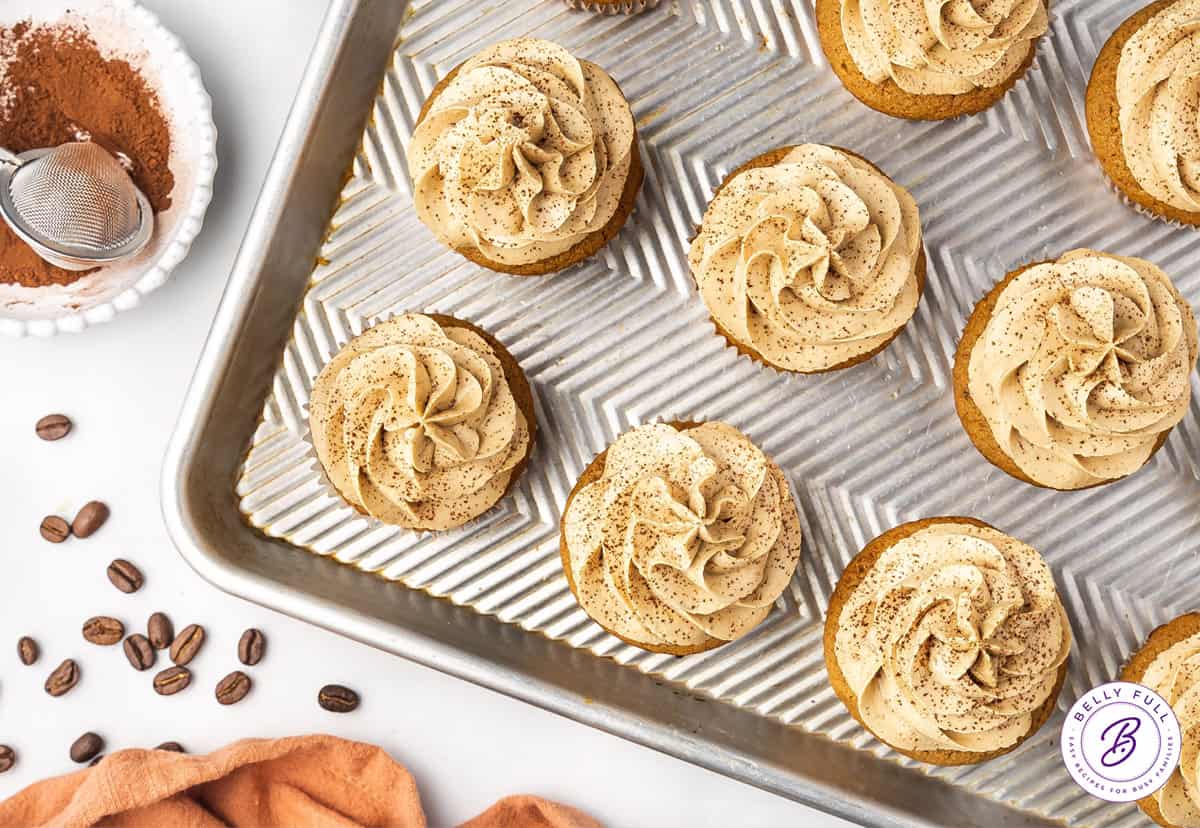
[{"x": 75, "y": 205}]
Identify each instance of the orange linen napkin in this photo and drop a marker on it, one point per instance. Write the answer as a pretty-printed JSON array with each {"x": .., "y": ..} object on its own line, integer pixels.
[{"x": 300, "y": 781}]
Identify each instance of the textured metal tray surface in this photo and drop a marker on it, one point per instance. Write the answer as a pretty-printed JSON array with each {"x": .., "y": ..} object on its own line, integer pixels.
[{"x": 624, "y": 339}]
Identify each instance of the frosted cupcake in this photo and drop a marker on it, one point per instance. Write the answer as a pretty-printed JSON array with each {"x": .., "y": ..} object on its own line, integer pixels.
[
  {"x": 930, "y": 61},
  {"x": 680, "y": 537},
  {"x": 809, "y": 259},
  {"x": 1141, "y": 113},
  {"x": 525, "y": 159},
  {"x": 1169, "y": 664},
  {"x": 613, "y": 6},
  {"x": 1072, "y": 373},
  {"x": 423, "y": 421},
  {"x": 946, "y": 639}
]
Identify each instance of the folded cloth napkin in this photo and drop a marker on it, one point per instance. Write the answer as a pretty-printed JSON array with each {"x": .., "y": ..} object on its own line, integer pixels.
[{"x": 296, "y": 782}]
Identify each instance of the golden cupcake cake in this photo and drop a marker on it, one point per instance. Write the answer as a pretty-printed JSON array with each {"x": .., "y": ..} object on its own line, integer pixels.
[
  {"x": 525, "y": 159},
  {"x": 809, "y": 259},
  {"x": 1141, "y": 109},
  {"x": 947, "y": 640},
  {"x": 613, "y": 6},
  {"x": 1169, "y": 664},
  {"x": 929, "y": 61},
  {"x": 423, "y": 421},
  {"x": 680, "y": 537},
  {"x": 1071, "y": 373}
]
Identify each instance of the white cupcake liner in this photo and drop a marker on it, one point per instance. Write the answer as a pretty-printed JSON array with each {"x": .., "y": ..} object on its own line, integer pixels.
[
  {"x": 622, "y": 7},
  {"x": 125, "y": 29}
]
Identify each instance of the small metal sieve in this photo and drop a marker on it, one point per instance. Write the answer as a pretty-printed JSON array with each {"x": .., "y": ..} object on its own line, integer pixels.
[{"x": 75, "y": 205}]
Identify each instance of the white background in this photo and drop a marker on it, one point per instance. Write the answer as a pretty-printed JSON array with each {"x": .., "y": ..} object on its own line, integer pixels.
[{"x": 123, "y": 384}]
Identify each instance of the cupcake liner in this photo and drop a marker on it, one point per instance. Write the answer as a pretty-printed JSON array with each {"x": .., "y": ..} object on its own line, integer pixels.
[{"x": 612, "y": 6}]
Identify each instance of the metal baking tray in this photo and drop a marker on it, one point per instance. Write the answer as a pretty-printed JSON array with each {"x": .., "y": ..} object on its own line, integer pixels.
[{"x": 623, "y": 339}]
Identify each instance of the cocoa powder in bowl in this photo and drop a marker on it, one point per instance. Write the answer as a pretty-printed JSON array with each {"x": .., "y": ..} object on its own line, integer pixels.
[{"x": 55, "y": 87}]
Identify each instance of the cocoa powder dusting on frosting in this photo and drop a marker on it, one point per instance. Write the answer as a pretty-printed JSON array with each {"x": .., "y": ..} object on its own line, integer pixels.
[
  {"x": 417, "y": 425},
  {"x": 1084, "y": 364},
  {"x": 953, "y": 640},
  {"x": 56, "y": 87},
  {"x": 1175, "y": 675},
  {"x": 687, "y": 536}
]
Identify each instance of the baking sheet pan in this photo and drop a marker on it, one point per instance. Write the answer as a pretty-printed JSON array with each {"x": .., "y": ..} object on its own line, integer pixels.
[{"x": 623, "y": 339}]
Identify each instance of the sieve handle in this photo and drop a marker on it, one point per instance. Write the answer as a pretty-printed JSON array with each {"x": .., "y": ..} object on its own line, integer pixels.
[{"x": 7, "y": 157}]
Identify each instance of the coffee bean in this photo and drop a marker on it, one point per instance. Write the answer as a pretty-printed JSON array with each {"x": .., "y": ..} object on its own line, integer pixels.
[
  {"x": 160, "y": 631},
  {"x": 8, "y": 758},
  {"x": 27, "y": 650},
  {"x": 103, "y": 630},
  {"x": 90, "y": 518},
  {"x": 64, "y": 677},
  {"x": 96, "y": 761},
  {"x": 125, "y": 576},
  {"x": 55, "y": 529},
  {"x": 233, "y": 688},
  {"x": 251, "y": 646},
  {"x": 337, "y": 699},
  {"x": 187, "y": 644},
  {"x": 173, "y": 747},
  {"x": 86, "y": 748},
  {"x": 140, "y": 652},
  {"x": 171, "y": 680},
  {"x": 53, "y": 427}
]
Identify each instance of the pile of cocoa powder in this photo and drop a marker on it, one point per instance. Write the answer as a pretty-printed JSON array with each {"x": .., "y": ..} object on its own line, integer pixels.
[{"x": 55, "y": 87}]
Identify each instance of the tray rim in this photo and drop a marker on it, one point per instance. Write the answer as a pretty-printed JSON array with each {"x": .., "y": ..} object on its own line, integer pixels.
[{"x": 615, "y": 718}]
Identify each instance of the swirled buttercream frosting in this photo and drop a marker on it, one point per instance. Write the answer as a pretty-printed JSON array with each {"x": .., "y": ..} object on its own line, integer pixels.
[
  {"x": 1084, "y": 364},
  {"x": 1157, "y": 80},
  {"x": 523, "y": 154},
  {"x": 415, "y": 423},
  {"x": 812, "y": 261},
  {"x": 687, "y": 536},
  {"x": 953, "y": 640},
  {"x": 941, "y": 47},
  {"x": 1175, "y": 675}
]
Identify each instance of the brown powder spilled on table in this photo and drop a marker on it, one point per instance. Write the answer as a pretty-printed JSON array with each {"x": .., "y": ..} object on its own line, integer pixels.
[{"x": 56, "y": 87}]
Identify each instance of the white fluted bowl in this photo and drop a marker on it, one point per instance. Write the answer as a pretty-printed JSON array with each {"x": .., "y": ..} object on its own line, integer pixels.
[{"x": 122, "y": 28}]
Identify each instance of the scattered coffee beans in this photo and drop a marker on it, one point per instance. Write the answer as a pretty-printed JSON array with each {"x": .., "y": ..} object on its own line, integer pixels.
[
  {"x": 337, "y": 699},
  {"x": 103, "y": 630},
  {"x": 173, "y": 747},
  {"x": 53, "y": 427},
  {"x": 90, "y": 518},
  {"x": 233, "y": 688},
  {"x": 140, "y": 652},
  {"x": 64, "y": 677},
  {"x": 171, "y": 680},
  {"x": 86, "y": 748},
  {"x": 55, "y": 529},
  {"x": 125, "y": 576},
  {"x": 251, "y": 646},
  {"x": 96, "y": 761},
  {"x": 27, "y": 650},
  {"x": 8, "y": 758},
  {"x": 160, "y": 631},
  {"x": 187, "y": 644}
]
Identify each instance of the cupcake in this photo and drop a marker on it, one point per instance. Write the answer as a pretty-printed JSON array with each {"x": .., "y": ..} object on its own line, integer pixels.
[
  {"x": 930, "y": 62},
  {"x": 946, "y": 639},
  {"x": 1169, "y": 664},
  {"x": 525, "y": 159},
  {"x": 423, "y": 421},
  {"x": 680, "y": 537},
  {"x": 1071, "y": 373},
  {"x": 809, "y": 259},
  {"x": 1141, "y": 111},
  {"x": 613, "y": 6}
]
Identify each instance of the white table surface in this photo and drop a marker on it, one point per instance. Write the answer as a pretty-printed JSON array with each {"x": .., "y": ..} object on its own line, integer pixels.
[{"x": 123, "y": 384}]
